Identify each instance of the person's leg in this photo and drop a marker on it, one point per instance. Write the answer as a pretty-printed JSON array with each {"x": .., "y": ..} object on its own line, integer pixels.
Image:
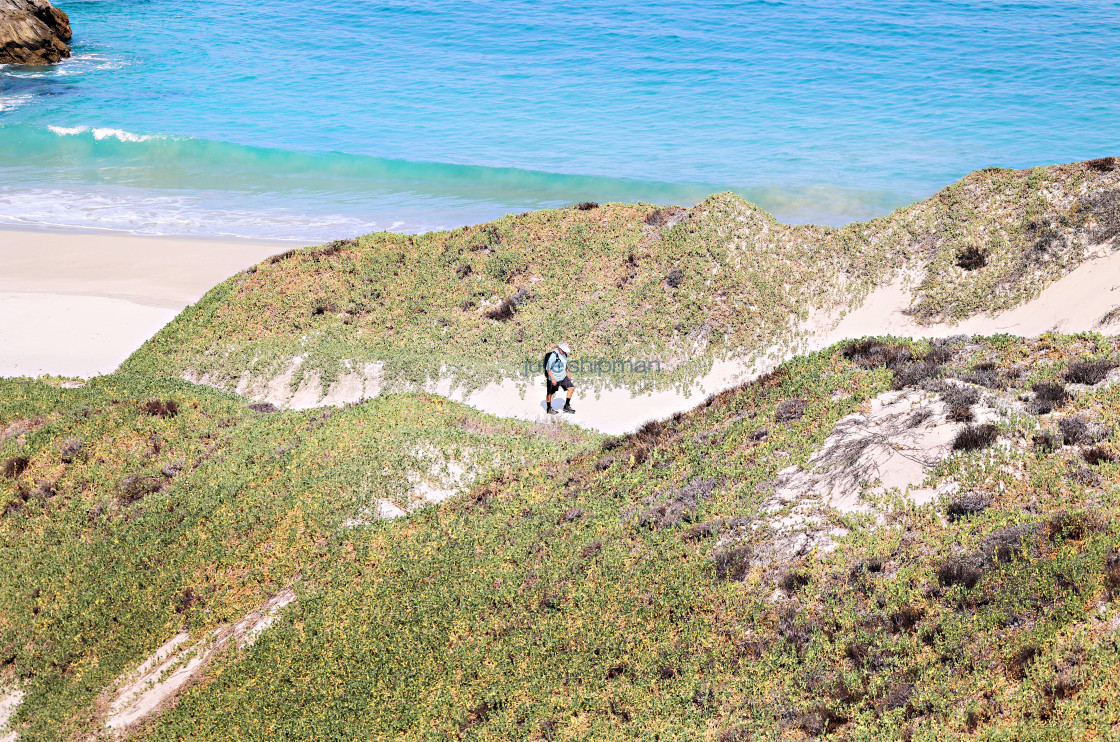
[
  {"x": 549, "y": 389},
  {"x": 571, "y": 388}
]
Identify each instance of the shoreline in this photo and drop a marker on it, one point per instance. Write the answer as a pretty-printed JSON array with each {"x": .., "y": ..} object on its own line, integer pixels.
[
  {"x": 37, "y": 228},
  {"x": 166, "y": 272},
  {"x": 78, "y": 303}
]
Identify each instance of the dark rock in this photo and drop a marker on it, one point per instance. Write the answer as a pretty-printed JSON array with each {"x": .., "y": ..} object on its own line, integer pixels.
[{"x": 32, "y": 32}]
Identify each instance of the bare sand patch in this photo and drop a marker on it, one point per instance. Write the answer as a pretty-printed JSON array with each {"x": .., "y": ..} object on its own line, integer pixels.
[
  {"x": 892, "y": 446},
  {"x": 9, "y": 704},
  {"x": 157, "y": 682},
  {"x": 443, "y": 478},
  {"x": 72, "y": 335}
]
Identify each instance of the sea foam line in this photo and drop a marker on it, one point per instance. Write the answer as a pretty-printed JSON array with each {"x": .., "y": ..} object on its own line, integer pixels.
[
  {"x": 99, "y": 133},
  {"x": 13, "y": 102}
]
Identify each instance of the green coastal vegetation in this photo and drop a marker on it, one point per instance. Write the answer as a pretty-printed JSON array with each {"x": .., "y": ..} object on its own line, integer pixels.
[
  {"x": 616, "y": 588},
  {"x": 630, "y": 281},
  {"x": 135, "y": 507},
  {"x": 581, "y": 586}
]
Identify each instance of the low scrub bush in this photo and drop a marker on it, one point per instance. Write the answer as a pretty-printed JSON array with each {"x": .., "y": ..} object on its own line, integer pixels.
[
  {"x": 1105, "y": 209},
  {"x": 666, "y": 217},
  {"x": 971, "y": 258},
  {"x": 1111, "y": 574},
  {"x": 790, "y": 410},
  {"x": 975, "y": 437},
  {"x": 136, "y": 487},
  {"x": 1076, "y": 430},
  {"x": 958, "y": 571},
  {"x": 1097, "y": 455},
  {"x": 676, "y": 506},
  {"x": 1047, "y": 441},
  {"x": 1072, "y": 526},
  {"x": 732, "y": 563},
  {"x": 164, "y": 408},
  {"x": 873, "y": 354},
  {"x": 70, "y": 449},
  {"x": 967, "y": 505},
  {"x": 505, "y": 310},
  {"x": 961, "y": 414},
  {"x": 1047, "y": 397},
  {"x": 958, "y": 394},
  {"x": 913, "y": 374},
  {"x": 1088, "y": 372},
  {"x": 1102, "y": 165},
  {"x": 674, "y": 277},
  {"x": 15, "y": 466},
  {"x": 1008, "y": 544},
  {"x": 1019, "y": 662},
  {"x": 704, "y": 530}
]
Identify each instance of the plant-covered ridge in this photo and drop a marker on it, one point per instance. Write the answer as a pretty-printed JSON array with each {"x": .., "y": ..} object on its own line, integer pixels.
[
  {"x": 131, "y": 509},
  {"x": 626, "y": 281},
  {"x": 632, "y": 593},
  {"x": 658, "y": 584}
]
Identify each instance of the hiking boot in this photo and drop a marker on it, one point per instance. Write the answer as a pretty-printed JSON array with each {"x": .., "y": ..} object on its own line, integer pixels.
[
  {"x": 552, "y": 410},
  {"x": 568, "y": 408}
]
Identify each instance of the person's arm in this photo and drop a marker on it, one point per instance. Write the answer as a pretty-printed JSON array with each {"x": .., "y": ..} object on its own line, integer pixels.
[{"x": 551, "y": 376}]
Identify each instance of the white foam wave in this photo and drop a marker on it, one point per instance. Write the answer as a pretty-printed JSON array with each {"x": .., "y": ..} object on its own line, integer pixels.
[
  {"x": 12, "y": 102},
  {"x": 100, "y": 133},
  {"x": 121, "y": 134},
  {"x": 82, "y": 63},
  {"x": 147, "y": 213},
  {"x": 64, "y": 131}
]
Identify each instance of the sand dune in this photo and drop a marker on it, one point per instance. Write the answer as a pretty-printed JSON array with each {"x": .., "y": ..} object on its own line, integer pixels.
[
  {"x": 1080, "y": 301},
  {"x": 77, "y": 306}
]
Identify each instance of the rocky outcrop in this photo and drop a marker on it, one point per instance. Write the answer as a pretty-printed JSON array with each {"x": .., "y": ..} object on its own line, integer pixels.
[{"x": 32, "y": 32}]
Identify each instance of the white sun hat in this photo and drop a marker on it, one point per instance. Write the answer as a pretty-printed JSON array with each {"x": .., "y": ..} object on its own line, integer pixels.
[{"x": 564, "y": 347}]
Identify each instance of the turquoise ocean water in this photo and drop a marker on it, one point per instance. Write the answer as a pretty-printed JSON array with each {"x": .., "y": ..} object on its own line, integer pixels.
[{"x": 289, "y": 119}]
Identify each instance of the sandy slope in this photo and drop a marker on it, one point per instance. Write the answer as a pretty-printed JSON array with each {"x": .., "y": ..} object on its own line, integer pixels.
[{"x": 77, "y": 304}]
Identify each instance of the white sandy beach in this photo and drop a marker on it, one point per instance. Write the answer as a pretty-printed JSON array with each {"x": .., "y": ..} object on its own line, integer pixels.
[{"x": 77, "y": 304}]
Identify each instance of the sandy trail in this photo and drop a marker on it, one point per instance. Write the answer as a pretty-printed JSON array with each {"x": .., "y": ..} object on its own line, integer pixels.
[{"x": 1076, "y": 302}]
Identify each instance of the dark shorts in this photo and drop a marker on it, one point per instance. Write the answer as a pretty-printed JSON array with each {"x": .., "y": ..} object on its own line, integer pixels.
[{"x": 551, "y": 388}]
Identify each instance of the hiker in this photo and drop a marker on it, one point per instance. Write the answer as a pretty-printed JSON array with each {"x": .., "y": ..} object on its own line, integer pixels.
[{"x": 557, "y": 376}]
